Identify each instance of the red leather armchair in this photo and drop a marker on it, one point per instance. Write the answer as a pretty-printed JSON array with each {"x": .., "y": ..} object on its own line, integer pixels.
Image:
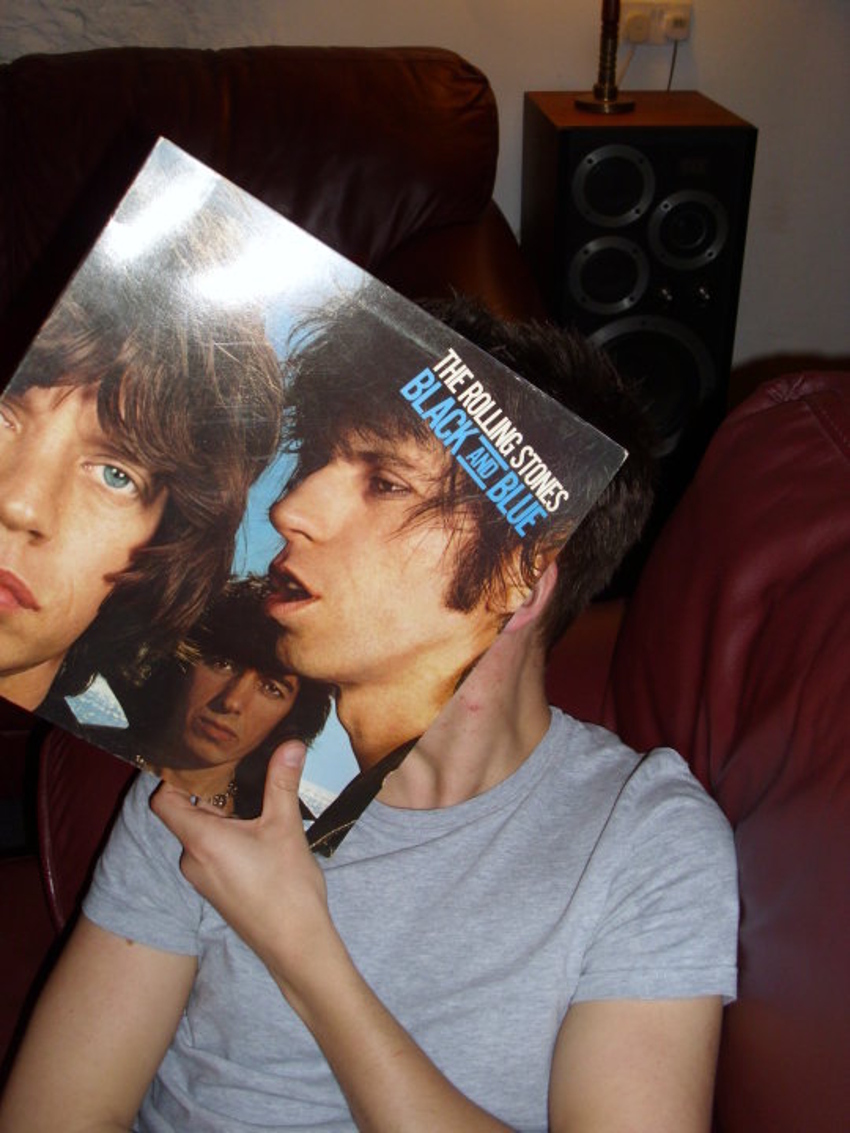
[{"x": 734, "y": 650}]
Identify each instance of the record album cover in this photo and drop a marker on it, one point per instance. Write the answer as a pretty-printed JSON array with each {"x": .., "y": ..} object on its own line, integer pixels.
[{"x": 253, "y": 493}]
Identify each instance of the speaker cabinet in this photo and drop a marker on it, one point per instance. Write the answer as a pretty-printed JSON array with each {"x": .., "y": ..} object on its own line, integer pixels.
[{"x": 634, "y": 226}]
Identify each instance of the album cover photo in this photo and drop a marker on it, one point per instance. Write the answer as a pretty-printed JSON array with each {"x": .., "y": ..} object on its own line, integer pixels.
[{"x": 252, "y": 493}]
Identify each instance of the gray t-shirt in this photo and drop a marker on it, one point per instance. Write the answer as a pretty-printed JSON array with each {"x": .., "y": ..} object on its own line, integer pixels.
[{"x": 590, "y": 873}]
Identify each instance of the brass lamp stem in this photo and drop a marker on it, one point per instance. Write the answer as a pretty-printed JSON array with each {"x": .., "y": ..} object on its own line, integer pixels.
[{"x": 604, "y": 98}]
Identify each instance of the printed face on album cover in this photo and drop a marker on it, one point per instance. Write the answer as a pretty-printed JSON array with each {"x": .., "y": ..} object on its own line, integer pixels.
[{"x": 217, "y": 399}]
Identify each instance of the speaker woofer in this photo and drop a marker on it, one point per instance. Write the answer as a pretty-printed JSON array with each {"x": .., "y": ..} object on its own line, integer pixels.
[
  {"x": 613, "y": 186},
  {"x": 688, "y": 230},
  {"x": 668, "y": 367}
]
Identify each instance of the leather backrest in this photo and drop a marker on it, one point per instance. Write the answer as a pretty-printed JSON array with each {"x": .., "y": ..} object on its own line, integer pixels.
[
  {"x": 80, "y": 789},
  {"x": 734, "y": 650},
  {"x": 364, "y": 147}
]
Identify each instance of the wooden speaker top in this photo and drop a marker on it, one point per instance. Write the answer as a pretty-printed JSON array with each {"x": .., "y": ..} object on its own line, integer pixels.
[{"x": 652, "y": 108}]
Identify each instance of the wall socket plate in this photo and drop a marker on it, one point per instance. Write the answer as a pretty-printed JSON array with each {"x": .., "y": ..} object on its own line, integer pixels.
[{"x": 647, "y": 21}]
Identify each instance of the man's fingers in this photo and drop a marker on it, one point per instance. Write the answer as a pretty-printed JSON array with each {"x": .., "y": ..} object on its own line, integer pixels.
[{"x": 180, "y": 812}]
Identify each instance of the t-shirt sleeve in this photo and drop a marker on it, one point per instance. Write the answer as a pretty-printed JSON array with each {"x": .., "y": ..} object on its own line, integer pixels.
[
  {"x": 137, "y": 890},
  {"x": 669, "y": 925}
]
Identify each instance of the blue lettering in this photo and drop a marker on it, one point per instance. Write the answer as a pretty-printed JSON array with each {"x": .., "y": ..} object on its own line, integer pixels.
[
  {"x": 417, "y": 389},
  {"x": 525, "y": 515},
  {"x": 442, "y": 431},
  {"x": 453, "y": 427},
  {"x": 483, "y": 462},
  {"x": 504, "y": 490},
  {"x": 436, "y": 413},
  {"x": 465, "y": 431}
]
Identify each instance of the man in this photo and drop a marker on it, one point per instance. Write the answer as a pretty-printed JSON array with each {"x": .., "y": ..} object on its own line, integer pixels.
[
  {"x": 398, "y": 571},
  {"x": 128, "y": 440},
  {"x": 531, "y": 927},
  {"x": 208, "y": 720}
]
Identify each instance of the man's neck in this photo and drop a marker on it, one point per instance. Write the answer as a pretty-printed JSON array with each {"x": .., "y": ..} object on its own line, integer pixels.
[
  {"x": 485, "y": 732},
  {"x": 379, "y": 719}
]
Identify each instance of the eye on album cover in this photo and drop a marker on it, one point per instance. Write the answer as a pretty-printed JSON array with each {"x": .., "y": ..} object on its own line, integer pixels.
[{"x": 251, "y": 493}]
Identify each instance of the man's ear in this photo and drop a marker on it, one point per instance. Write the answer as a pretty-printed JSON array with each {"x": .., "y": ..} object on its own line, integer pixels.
[{"x": 536, "y": 601}]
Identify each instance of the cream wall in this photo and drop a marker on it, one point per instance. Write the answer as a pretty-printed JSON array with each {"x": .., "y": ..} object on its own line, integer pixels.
[{"x": 782, "y": 64}]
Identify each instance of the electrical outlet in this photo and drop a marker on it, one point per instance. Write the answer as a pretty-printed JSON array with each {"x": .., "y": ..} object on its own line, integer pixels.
[{"x": 649, "y": 21}]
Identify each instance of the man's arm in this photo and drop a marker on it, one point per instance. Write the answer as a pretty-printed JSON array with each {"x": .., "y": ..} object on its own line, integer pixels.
[
  {"x": 624, "y": 1066},
  {"x": 98, "y": 1034}
]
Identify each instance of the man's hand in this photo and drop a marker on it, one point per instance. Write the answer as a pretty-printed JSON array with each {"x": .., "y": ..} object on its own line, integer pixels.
[{"x": 258, "y": 873}]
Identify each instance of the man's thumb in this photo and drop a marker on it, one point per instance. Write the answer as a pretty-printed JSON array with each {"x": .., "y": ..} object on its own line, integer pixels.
[{"x": 284, "y": 774}]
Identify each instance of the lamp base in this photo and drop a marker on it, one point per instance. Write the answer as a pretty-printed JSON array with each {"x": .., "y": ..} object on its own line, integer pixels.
[{"x": 594, "y": 104}]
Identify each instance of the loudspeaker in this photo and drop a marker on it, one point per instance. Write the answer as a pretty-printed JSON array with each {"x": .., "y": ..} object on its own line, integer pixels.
[{"x": 634, "y": 226}]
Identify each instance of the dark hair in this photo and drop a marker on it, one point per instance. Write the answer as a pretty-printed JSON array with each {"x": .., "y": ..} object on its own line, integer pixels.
[
  {"x": 341, "y": 358},
  {"x": 190, "y": 389},
  {"x": 234, "y": 627},
  {"x": 563, "y": 364}
]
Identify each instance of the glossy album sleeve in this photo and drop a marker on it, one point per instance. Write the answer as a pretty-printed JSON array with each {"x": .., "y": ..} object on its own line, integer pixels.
[{"x": 259, "y": 495}]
